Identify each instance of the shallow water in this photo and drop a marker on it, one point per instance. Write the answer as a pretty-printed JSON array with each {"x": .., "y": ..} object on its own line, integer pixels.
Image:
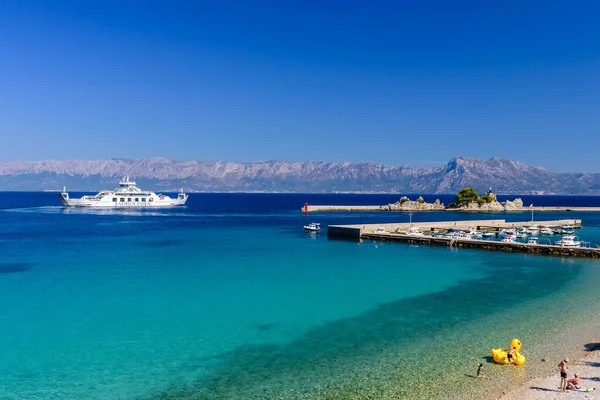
[{"x": 229, "y": 298}]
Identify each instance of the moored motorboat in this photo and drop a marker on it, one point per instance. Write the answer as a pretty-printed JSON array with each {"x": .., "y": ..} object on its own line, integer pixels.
[
  {"x": 312, "y": 227},
  {"x": 568, "y": 241},
  {"x": 126, "y": 195},
  {"x": 506, "y": 232},
  {"x": 508, "y": 239},
  {"x": 414, "y": 231}
]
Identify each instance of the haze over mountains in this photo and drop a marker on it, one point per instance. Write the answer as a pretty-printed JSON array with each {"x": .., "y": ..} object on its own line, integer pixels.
[{"x": 161, "y": 174}]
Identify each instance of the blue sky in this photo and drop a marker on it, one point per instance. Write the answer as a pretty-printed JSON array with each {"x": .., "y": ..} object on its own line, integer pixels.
[{"x": 393, "y": 82}]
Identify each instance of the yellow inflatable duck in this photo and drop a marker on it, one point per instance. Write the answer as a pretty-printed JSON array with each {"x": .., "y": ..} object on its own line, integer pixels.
[{"x": 501, "y": 356}]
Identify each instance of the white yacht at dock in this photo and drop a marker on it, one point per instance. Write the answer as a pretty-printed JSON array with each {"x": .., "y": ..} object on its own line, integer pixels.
[
  {"x": 126, "y": 195},
  {"x": 569, "y": 241}
]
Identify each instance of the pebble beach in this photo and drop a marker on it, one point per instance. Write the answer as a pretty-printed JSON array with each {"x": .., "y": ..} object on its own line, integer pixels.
[
  {"x": 539, "y": 378},
  {"x": 587, "y": 366}
]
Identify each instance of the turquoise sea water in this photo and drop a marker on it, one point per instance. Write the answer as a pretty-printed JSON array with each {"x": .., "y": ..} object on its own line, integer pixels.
[{"x": 229, "y": 298}]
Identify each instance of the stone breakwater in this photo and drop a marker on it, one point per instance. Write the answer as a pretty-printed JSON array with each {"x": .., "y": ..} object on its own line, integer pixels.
[{"x": 405, "y": 204}]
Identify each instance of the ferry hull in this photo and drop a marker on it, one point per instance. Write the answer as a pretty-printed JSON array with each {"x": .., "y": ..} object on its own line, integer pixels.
[{"x": 119, "y": 204}]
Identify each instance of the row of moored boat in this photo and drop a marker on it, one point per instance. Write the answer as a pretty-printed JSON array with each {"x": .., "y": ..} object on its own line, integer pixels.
[{"x": 509, "y": 235}]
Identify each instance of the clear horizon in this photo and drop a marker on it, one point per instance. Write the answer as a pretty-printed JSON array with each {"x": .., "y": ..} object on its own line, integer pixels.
[{"x": 401, "y": 84}]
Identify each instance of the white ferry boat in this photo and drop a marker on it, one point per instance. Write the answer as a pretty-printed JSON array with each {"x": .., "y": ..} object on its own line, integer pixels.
[{"x": 126, "y": 195}]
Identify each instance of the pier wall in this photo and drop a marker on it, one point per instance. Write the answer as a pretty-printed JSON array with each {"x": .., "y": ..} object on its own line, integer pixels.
[
  {"x": 487, "y": 224},
  {"x": 392, "y": 233},
  {"x": 541, "y": 249}
]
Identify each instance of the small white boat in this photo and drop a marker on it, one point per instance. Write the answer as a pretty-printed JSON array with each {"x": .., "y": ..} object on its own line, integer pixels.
[
  {"x": 312, "y": 227},
  {"x": 568, "y": 241},
  {"x": 463, "y": 235},
  {"x": 489, "y": 234},
  {"x": 508, "y": 239},
  {"x": 414, "y": 231},
  {"x": 532, "y": 240},
  {"x": 506, "y": 232},
  {"x": 474, "y": 233},
  {"x": 521, "y": 235},
  {"x": 546, "y": 231}
]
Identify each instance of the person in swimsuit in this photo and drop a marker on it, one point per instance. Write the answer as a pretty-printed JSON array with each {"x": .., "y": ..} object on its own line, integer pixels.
[
  {"x": 563, "y": 374},
  {"x": 574, "y": 383},
  {"x": 480, "y": 373},
  {"x": 511, "y": 355}
]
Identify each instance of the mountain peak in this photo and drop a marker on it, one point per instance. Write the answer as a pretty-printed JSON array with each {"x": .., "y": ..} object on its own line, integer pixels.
[{"x": 506, "y": 176}]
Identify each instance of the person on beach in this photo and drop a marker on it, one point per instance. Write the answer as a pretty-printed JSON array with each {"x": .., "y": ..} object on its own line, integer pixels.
[
  {"x": 511, "y": 356},
  {"x": 480, "y": 373},
  {"x": 574, "y": 383},
  {"x": 563, "y": 374}
]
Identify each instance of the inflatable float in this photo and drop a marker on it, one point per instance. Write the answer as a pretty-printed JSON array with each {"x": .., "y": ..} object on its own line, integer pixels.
[{"x": 501, "y": 355}]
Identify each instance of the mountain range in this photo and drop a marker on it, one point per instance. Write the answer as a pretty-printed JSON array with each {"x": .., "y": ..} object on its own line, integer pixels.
[{"x": 162, "y": 174}]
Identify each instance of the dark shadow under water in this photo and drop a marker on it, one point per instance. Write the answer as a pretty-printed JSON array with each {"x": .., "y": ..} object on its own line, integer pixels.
[
  {"x": 248, "y": 372},
  {"x": 14, "y": 267}
]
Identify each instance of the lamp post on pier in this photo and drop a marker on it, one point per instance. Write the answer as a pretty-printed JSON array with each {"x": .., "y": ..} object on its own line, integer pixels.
[{"x": 531, "y": 206}]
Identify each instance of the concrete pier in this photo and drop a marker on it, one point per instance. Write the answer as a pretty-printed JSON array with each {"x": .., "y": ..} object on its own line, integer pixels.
[
  {"x": 358, "y": 231},
  {"x": 493, "y": 245},
  {"x": 397, "y": 232}
]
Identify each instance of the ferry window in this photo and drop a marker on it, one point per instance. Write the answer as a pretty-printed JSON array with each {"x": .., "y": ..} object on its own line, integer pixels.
[
  {"x": 151, "y": 199},
  {"x": 122, "y": 199},
  {"x": 137, "y": 199},
  {"x": 129, "y": 199},
  {"x": 143, "y": 199},
  {"x": 114, "y": 199}
]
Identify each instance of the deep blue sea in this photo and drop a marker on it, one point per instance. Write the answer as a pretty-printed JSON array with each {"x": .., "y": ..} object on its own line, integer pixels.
[{"x": 228, "y": 298}]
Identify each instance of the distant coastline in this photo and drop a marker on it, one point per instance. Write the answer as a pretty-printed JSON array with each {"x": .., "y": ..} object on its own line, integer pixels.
[{"x": 296, "y": 176}]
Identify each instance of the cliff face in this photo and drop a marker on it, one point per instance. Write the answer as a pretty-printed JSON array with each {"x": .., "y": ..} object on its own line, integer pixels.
[{"x": 505, "y": 176}]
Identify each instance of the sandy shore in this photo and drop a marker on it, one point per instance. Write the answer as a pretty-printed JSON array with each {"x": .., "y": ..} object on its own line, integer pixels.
[{"x": 588, "y": 368}]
